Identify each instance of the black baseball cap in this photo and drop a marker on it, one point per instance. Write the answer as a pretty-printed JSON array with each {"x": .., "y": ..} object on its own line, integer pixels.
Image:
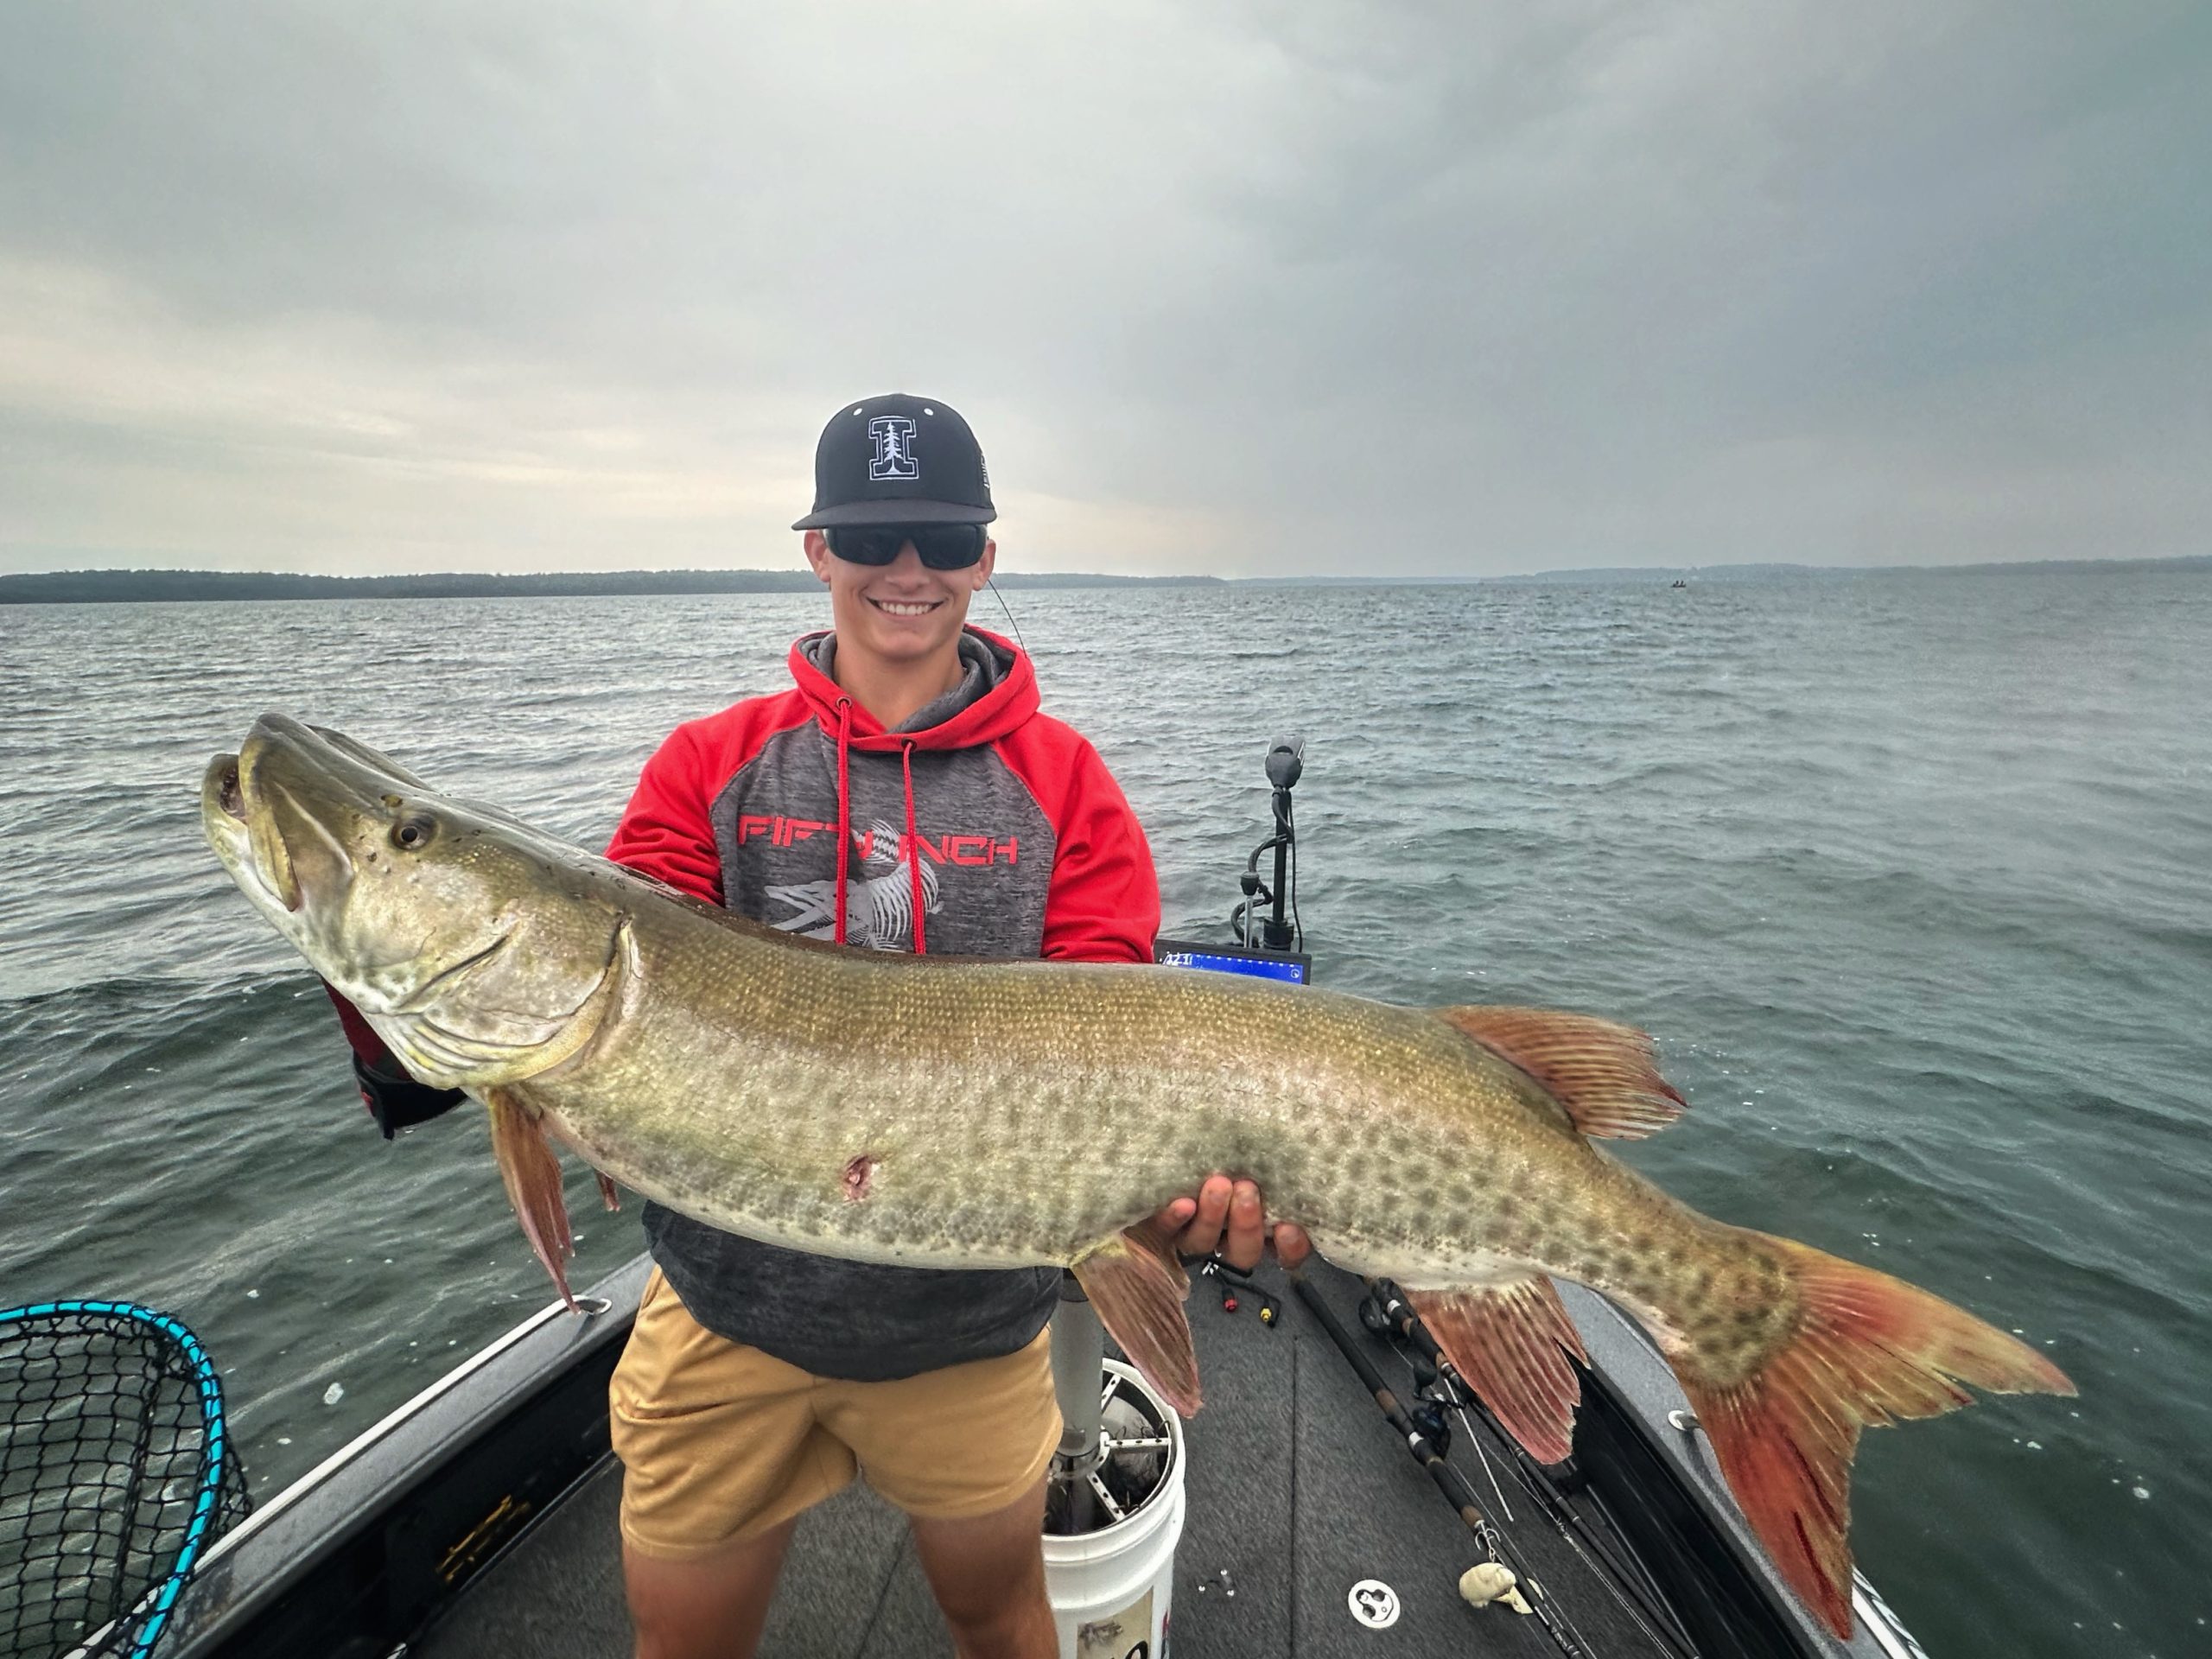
[{"x": 897, "y": 459}]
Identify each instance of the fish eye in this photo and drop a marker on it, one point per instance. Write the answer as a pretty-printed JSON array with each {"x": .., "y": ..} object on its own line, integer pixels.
[{"x": 412, "y": 833}]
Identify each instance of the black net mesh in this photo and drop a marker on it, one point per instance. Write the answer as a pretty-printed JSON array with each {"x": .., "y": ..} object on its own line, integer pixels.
[{"x": 116, "y": 1472}]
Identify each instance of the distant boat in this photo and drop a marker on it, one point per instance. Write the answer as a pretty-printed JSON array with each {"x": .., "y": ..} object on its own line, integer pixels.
[{"x": 1678, "y": 582}]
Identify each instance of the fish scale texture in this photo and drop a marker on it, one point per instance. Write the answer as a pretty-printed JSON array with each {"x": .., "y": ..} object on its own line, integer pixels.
[{"x": 1022, "y": 1112}]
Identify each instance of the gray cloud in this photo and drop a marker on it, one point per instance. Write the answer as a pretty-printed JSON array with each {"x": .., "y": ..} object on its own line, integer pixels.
[{"x": 1386, "y": 287}]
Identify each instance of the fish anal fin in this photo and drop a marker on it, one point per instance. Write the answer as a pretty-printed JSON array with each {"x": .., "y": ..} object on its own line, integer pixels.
[
  {"x": 1602, "y": 1074},
  {"x": 1863, "y": 1349},
  {"x": 1510, "y": 1344},
  {"x": 1137, "y": 1287},
  {"x": 531, "y": 1174}
]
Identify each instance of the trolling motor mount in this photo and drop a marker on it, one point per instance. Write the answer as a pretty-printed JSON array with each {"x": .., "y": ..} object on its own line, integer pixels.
[
  {"x": 1270, "y": 943},
  {"x": 1285, "y": 764}
]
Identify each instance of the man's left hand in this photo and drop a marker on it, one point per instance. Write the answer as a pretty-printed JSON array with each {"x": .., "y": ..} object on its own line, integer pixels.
[{"x": 1228, "y": 1217}]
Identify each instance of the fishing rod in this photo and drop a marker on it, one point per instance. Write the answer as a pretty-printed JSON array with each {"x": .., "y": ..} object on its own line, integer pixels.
[
  {"x": 1008, "y": 609},
  {"x": 1457, "y": 1490},
  {"x": 1386, "y": 1311}
]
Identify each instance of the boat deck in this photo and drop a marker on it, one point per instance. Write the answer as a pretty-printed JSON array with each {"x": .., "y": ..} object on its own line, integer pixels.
[{"x": 1298, "y": 1488}]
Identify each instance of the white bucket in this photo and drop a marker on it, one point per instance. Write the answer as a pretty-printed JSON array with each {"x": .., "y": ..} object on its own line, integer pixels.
[{"x": 1111, "y": 1589}]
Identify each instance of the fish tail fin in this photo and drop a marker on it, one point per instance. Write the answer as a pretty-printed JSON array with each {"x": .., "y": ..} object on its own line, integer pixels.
[
  {"x": 532, "y": 1175},
  {"x": 1864, "y": 1349}
]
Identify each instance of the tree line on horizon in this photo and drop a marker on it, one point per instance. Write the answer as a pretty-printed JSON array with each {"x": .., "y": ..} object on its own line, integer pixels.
[
  {"x": 146, "y": 587},
  {"x": 155, "y": 587}
]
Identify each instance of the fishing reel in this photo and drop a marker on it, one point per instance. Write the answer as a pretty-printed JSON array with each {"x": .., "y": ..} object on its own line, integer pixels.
[
  {"x": 1429, "y": 1417},
  {"x": 1434, "y": 1393},
  {"x": 1437, "y": 1387}
]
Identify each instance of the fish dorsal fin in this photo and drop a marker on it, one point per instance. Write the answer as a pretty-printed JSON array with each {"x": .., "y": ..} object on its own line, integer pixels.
[
  {"x": 1138, "y": 1287},
  {"x": 1601, "y": 1074},
  {"x": 532, "y": 1176},
  {"x": 1511, "y": 1343}
]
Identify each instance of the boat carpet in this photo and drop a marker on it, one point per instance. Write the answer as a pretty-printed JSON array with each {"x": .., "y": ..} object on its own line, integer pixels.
[{"x": 1298, "y": 1489}]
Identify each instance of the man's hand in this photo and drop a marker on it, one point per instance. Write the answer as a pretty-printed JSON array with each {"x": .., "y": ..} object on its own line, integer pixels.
[{"x": 1227, "y": 1216}]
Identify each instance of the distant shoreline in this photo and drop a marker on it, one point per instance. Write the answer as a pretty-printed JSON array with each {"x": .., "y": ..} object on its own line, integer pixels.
[{"x": 159, "y": 586}]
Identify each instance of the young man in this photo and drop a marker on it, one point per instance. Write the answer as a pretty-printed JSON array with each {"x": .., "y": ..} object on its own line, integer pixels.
[{"x": 904, "y": 794}]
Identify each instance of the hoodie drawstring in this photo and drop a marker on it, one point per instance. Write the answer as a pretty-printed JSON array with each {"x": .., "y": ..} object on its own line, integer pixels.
[
  {"x": 845, "y": 822},
  {"x": 914, "y": 844},
  {"x": 845, "y": 808}
]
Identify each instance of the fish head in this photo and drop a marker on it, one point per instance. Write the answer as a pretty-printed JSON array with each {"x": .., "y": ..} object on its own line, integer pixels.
[{"x": 482, "y": 952}]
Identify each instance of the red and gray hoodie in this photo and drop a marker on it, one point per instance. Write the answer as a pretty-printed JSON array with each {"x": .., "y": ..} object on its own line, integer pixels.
[{"x": 980, "y": 827}]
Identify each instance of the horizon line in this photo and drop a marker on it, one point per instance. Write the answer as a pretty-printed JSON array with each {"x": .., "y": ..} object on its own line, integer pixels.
[{"x": 802, "y": 580}]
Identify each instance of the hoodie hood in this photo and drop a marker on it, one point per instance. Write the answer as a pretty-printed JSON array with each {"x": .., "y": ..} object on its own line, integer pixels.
[{"x": 996, "y": 694}]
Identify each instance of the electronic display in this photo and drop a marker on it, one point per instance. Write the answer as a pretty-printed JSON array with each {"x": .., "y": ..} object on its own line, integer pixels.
[{"x": 1291, "y": 967}]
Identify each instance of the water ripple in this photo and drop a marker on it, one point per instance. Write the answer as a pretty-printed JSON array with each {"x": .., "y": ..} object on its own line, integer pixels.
[{"x": 1905, "y": 872}]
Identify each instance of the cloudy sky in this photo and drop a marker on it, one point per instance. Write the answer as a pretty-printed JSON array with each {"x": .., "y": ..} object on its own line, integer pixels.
[{"x": 1237, "y": 288}]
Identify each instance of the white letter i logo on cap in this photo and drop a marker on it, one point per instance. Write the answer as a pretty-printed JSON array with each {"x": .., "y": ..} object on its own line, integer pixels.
[{"x": 895, "y": 449}]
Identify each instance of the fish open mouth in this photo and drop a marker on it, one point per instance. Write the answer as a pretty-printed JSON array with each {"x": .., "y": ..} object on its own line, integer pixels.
[
  {"x": 242, "y": 830},
  {"x": 229, "y": 795}
]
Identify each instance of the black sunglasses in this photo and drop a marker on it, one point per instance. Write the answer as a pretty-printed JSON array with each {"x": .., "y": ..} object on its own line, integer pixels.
[{"x": 941, "y": 547}]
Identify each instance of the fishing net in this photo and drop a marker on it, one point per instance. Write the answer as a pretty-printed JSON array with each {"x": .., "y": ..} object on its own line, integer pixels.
[{"x": 116, "y": 1472}]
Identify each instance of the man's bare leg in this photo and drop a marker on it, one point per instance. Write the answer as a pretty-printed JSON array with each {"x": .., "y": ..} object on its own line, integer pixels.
[
  {"x": 988, "y": 1573},
  {"x": 708, "y": 1607}
]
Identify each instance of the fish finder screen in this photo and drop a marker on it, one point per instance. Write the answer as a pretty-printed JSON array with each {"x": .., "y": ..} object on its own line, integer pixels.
[{"x": 1288, "y": 966}]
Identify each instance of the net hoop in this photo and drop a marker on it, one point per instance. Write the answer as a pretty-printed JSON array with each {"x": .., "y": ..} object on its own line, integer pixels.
[{"x": 150, "y": 1611}]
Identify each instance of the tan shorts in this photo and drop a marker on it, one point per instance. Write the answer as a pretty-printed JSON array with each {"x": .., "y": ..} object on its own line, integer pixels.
[{"x": 719, "y": 1442}]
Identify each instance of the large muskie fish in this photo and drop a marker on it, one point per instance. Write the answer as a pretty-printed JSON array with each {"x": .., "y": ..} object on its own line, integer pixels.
[{"x": 963, "y": 1114}]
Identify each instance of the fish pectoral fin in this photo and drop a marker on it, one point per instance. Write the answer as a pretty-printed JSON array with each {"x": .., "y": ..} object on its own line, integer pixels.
[
  {"x": 1510, "y": 1344},
  {"x": 1137, "y": 1285},
  {"x": 607, "y": 1194},
  {"x": 532, "y": 1176},
  {"x": 1602, "y": 1074}
]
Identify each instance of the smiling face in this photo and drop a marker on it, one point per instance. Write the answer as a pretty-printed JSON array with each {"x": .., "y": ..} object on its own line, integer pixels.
[{"x": 902, "y": 615}]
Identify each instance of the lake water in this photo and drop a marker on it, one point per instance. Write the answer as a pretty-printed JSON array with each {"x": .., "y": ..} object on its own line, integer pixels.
[{"x": 1908, "y": 874}]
